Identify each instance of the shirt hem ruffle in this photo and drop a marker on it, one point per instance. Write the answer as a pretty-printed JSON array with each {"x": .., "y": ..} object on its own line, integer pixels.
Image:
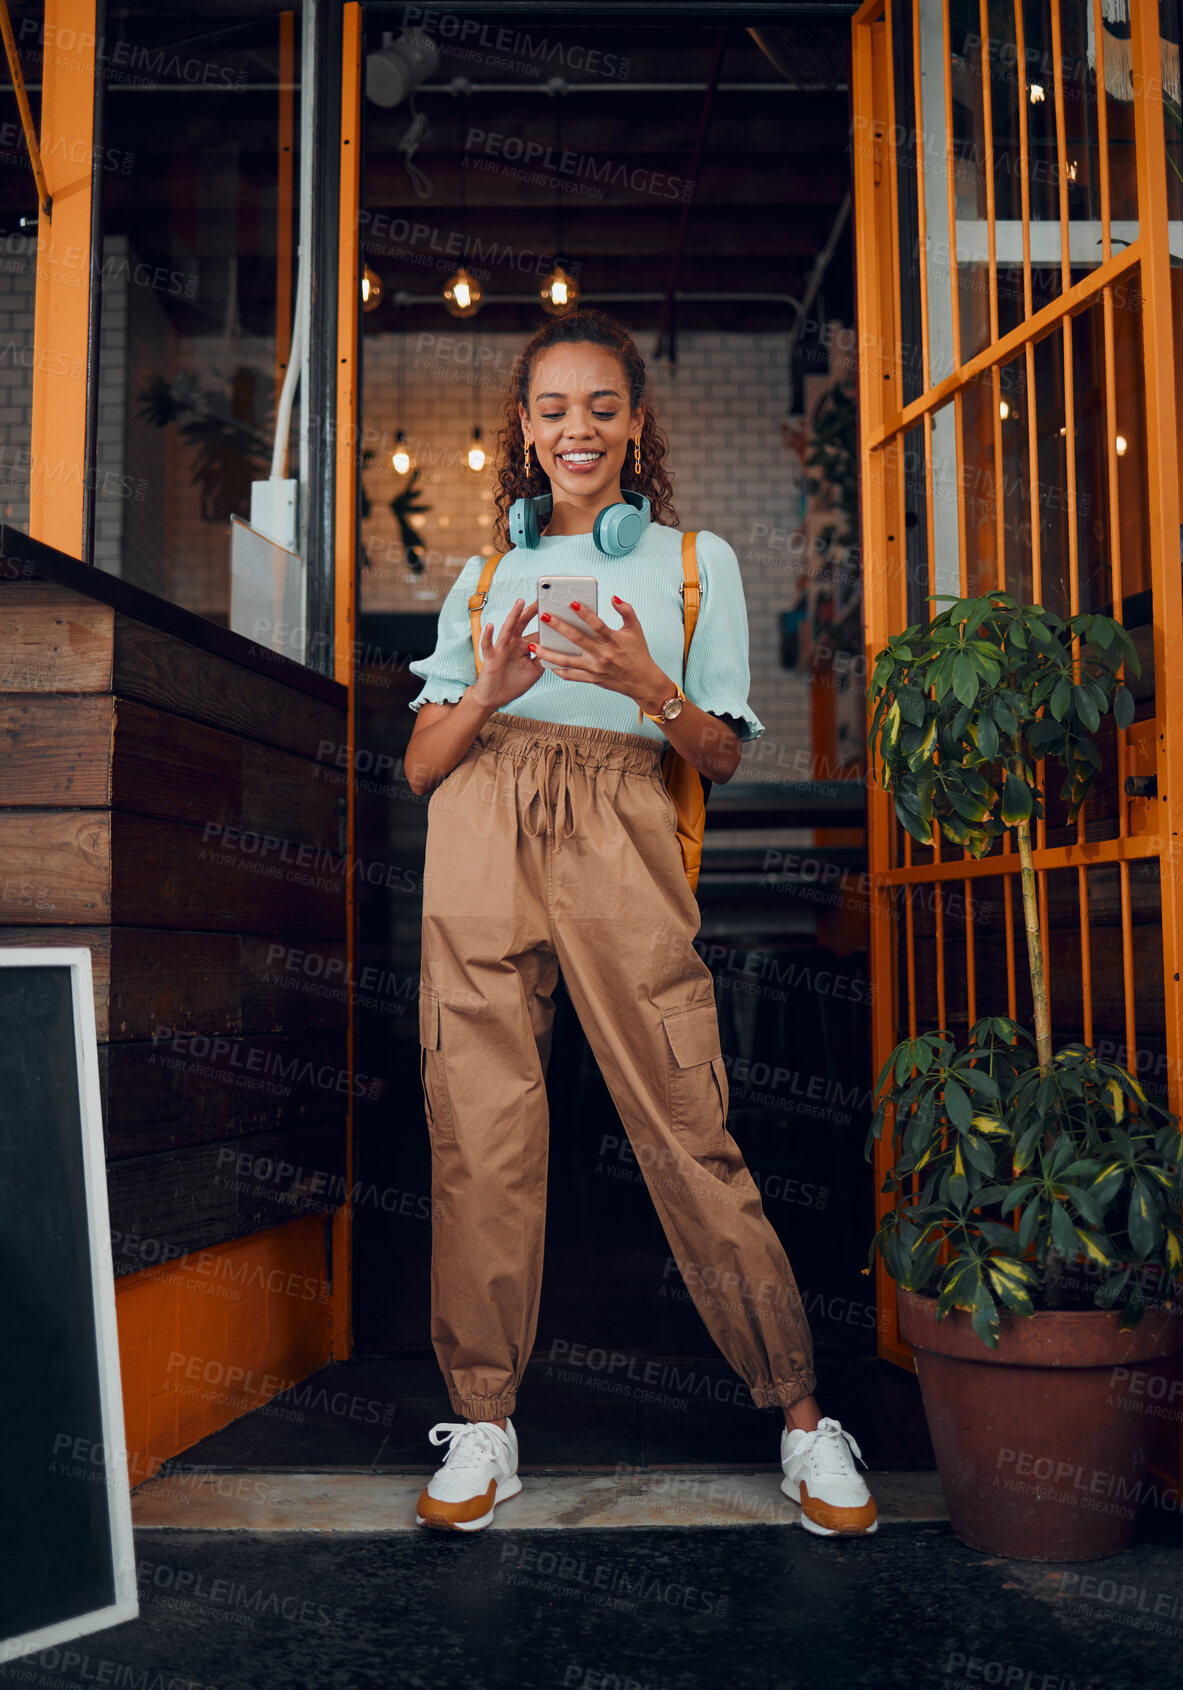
[
  {"x": 440, "y": 695},
  {"x": 753, "y": 727}
]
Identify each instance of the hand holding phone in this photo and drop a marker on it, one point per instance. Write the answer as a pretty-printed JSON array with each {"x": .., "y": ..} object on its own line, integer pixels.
[{"x": 555, "y": 594}]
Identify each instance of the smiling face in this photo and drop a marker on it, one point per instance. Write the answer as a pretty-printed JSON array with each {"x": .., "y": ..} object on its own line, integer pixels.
[{"x": 579, "y": 422}]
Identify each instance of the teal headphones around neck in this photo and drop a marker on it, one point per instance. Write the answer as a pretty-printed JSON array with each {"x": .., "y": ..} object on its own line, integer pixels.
[{"x": 617, "y": 527}]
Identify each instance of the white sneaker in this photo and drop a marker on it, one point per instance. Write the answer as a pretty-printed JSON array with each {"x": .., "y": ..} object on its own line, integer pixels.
[
  {"x": 822, "y": 1478},
  {"x": 479, "y": 1471}
]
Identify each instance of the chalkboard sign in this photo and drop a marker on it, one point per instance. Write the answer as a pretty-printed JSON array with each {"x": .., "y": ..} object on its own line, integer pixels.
[{"x": 69, "y": 1569}]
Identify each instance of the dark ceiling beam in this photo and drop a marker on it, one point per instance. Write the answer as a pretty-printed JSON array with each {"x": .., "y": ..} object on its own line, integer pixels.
[
  {"x": 653, "y": 14},
  {"x": 665, "y": 321}
]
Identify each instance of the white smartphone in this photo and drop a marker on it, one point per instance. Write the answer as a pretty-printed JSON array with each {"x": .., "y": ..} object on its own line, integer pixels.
[{"x": 555, "y": 593}]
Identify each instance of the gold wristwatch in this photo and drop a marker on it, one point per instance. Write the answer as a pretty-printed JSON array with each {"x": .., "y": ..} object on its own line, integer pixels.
[{"x": 671, "y": 708}]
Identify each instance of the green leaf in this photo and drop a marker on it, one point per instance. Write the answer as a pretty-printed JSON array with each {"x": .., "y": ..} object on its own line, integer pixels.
[
  {"x": 965, "y": 679},
  {"x": 1144, "y": 1225},
  {"x": 1063, "y": 1232},
  {"x": 1029, "y": 1223},
  {"x": 1123, "y": 707},
  {"x": 1096, "y": 1247},
  {"x": 1006, "y": 718},
  {"x": 888, "y": 1066},
  {"x": 1133, "y": 1311},
  {"x": 1086, "y": 709},
  {"x": 1008, "y": 1281},
  {"x": 1087, "y": 1206},
  {"x": 1061, "y": 698},
  {"x": 912, "y": 821},
  {"x": 978, "y": 1152},
  {"x": 1111, "y": 1290},
  {"x": 987, "y": 736},
  {"x": 903, "y": 1061},
  {"x": 958, "y": 1184},
  {"x": 912, "y": 704},
  {"x": 979, "y": 1080},
  {"x": 957, "y": 1103},
  {"x": 1016, "y": 800},
  {"x": 985, "y": 1316}
]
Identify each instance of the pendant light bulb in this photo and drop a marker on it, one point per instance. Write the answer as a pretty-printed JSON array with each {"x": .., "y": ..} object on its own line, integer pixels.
[
  {"x": 401, "y": 459},
  {"x": 476, "y": 453},
  {"x": 462, "y": 294},
  {"x": 559, "y": 292},
  {"x": 371, "y": 289}
]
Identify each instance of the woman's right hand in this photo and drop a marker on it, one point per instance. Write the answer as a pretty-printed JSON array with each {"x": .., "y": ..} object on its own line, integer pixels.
[{"x": 507, "y": 669}]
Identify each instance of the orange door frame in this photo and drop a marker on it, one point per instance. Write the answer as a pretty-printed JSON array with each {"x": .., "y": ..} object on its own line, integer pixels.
[
  {"x": 57, "y": 445},
  {"x": 345, "y": 599},
  {"x": 884, "y": 419}
]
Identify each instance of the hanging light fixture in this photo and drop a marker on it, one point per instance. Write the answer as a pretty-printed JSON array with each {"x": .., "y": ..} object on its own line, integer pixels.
[
  {"x": 462, "y": 292},
  {"x": 476, "y": 451},
  {"x": 559, "y": 291},
  {"x": 397, "y": 68},
  {"x": 371, "y": 289},
  {"x": 402, "y": 459}
]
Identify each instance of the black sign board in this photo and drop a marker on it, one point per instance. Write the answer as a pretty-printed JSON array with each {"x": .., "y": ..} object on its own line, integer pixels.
[{"x": 67, "y": 1511}]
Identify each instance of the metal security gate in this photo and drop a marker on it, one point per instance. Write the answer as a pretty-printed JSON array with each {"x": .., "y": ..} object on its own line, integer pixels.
[{"x": 1018, "y": 192}]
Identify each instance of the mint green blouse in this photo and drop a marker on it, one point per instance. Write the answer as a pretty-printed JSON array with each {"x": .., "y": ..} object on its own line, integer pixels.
[{"x": 649, "y": 578}]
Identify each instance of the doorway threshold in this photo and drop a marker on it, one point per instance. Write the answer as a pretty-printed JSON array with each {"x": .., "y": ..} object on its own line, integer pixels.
[{"x": 364, "y": 1501}]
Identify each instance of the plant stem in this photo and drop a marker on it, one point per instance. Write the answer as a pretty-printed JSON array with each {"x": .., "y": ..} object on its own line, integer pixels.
[{"x": 1043, "y": 1025}]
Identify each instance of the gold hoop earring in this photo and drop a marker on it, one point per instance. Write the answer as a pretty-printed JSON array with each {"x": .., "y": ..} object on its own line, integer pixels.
[
  {"x": 637, "y": 455},
  {"x": 527, "y": 460}
]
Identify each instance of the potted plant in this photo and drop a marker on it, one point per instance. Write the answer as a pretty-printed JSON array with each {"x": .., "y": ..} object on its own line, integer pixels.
[{"x": 1036, "y": 1236}]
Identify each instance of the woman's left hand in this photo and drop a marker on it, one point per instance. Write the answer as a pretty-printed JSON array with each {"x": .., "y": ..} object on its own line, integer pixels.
[{"x": 616, "y": 658}]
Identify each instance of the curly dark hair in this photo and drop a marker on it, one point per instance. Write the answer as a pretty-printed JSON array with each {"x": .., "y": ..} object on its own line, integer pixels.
[{"x": 581, "y": 326}]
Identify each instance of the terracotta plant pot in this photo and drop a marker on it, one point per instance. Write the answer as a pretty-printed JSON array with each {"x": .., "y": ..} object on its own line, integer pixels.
[{"x": 1043, "y": 1444}]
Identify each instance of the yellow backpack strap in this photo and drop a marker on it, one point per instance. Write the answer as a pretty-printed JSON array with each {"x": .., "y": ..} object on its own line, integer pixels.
[
  {"x": 690, "y": 592},
  {"x": 690, "y": 596},
  {"x": 476, "y": 604}
]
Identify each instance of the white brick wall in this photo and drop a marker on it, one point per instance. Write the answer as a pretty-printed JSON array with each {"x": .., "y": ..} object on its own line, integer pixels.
[
  {"x": 17, "y": 291},
  {"x": 721, "y": 410}
]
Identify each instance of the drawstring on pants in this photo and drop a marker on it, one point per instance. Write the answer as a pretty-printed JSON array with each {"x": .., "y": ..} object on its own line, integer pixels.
[{"x": 560, "y": 825}]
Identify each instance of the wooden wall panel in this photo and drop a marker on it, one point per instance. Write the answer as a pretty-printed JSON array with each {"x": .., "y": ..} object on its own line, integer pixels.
[
  {"x": 159, "y": 669},
  {"x": 56, "y": 750},
  {"x": 56, "y": 866},
  {"x": 177, "y": 812},
  {"x": 145, "y": 979},
  {"x": 194, "y": 1087},
  {"x": 240, "y": 882},
  {"x": 166, "y": 1205},
  {"x": 54, "y": 641}
]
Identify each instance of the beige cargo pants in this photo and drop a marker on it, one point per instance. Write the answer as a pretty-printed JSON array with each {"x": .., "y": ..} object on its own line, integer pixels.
[{"x": 554, "y": 847}]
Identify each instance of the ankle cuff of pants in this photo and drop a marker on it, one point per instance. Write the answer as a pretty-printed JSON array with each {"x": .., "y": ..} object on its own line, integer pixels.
[
  {"x": 786, "y": 1392},
  {"x": 485, "y": 1408}
]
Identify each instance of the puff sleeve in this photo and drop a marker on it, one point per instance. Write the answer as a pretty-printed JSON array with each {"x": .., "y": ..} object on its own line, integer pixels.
[
  {"x": 717, "y": 673},
  {"x": 451, "y": 668}
]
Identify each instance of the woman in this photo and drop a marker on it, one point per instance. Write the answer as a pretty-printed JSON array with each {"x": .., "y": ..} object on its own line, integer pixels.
[{"x": 552, "y": 844}]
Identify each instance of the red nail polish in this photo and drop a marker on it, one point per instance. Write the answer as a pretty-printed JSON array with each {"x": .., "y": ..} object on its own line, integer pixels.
[
  {"x": 545, "y": 616},
  {"x": 532, "y": 647},
  {"x": 616, "y": 600},
  {"x": 574, "y": 604}
]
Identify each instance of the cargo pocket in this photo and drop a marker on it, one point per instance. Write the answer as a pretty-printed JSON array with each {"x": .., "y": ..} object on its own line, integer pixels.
[
  {"x": 698, "y": 1090},
  {"x": 431, "y": 1071}
]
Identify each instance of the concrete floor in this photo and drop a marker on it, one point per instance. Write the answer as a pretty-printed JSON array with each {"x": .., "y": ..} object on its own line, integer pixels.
[
  {"x": 762, "y": 1607},
  {"x": 650, "y": 1549}
]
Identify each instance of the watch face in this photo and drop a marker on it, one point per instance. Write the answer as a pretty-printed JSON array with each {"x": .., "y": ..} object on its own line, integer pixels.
[{"x": 672, "y": 709}]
